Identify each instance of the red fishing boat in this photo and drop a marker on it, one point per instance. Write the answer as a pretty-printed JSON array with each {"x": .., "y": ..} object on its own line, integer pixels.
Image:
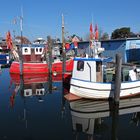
[
  {"x": 33, "y": 58},
  {"x": 34, "y": 61}
]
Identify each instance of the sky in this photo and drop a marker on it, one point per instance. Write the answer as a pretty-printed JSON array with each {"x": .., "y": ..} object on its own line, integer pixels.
[{"x": 43, "y": 17}]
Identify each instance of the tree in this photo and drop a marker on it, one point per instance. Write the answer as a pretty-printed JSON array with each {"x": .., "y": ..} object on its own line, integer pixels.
[
  {"x": 123, "y": 32},
  {"x": 105, "y": 36}
]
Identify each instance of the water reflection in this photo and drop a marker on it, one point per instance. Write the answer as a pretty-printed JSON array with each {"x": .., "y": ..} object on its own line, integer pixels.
[
  {"x": 88, "y": 117},
  {"x": 33, "y": 85}
]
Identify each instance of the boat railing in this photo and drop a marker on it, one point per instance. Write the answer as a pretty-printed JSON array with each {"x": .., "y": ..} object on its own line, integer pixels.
[{"x": 109, "y": 73}]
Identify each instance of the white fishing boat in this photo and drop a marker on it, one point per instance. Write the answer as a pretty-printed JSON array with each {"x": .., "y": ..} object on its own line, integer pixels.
[{"x": 88, "y": 77}]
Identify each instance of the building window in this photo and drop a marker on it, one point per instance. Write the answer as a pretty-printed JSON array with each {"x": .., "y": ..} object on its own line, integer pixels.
[{"x": 80, "y": 65}]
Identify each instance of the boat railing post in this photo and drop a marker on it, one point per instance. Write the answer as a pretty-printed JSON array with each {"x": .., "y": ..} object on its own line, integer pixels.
[{"x": 117, "y": 84}]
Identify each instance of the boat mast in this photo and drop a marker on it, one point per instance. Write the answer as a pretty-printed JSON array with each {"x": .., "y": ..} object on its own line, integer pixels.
[
  {"x": 20, "y": 52},
  {"x": 63, "y": 49}
]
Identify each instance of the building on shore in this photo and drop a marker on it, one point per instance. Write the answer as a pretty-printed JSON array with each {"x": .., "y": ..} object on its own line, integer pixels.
[{"x": 129, "y": 48}]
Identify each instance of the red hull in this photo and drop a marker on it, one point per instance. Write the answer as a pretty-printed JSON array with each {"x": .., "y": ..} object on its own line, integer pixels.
[{"x": 29, "y": 68}]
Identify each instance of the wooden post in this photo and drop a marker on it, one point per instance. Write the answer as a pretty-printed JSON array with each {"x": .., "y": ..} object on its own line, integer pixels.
[
  {"x": 63, "y": 101},
  {"x": 117, "y": 84},
  {"x": 115, "y": 120},
  {"x": 50, "y": 83},
  {"x": 20, "y": 61},
  {"x": 63, "y": 48},
  {"x": 21, "y": 89},
  {"x": 49, "y": 64},
  {"x": 50, "y": 55}
]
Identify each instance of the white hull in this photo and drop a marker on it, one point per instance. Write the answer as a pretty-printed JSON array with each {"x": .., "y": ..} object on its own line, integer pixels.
[{"x": 87, "y": 89}]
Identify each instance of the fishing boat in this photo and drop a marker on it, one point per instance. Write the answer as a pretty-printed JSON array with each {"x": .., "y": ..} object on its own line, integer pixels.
[
  {"x": 88, "y": 80},
  {"x": 4, "y": 51},
  {"x": 34, "y": 61},
  {"x": 88, "y": 77},
  {"x": 33, "y": 58}
]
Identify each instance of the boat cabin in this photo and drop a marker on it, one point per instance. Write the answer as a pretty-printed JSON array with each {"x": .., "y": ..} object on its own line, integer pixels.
[
  {"x": 89, "y": 69},
  {"x": 33, "y": 53}
]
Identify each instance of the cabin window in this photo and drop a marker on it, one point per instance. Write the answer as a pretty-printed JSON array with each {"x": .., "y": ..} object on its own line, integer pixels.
[
  {"x": 80, "y": 65},
  {"x": 36, "y": 49},
  {"x": 40, "y": 49},
  {"x": 26, "y": 50},
  {"x": 98, "y": 66}
]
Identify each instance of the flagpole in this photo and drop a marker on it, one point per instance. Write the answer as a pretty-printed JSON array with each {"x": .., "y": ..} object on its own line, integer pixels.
[{"x": 92, "y": 39}]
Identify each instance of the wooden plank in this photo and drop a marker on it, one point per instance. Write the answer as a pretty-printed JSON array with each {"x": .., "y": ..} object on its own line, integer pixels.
[{"x": 72, "y": 97}]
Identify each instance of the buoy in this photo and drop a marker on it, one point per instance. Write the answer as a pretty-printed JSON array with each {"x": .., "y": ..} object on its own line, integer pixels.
[{"x": 54, "y": 73}]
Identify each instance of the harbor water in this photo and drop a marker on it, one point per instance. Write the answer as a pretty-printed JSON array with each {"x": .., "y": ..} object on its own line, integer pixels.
[{"x": 38, "y": 110}]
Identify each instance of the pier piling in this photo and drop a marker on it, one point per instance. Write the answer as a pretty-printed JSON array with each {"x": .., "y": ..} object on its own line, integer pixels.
[
  {"x": 50, "y": 55},
  {"x": 117, "y": 85},
  {"x": 20, "y": 60}
]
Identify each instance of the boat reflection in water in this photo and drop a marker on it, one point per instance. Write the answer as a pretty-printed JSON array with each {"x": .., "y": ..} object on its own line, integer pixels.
[
  {"x": 33, "y": 85},
  {"x": 33, "y": 91},
  {"x": 88, "y": 116}
]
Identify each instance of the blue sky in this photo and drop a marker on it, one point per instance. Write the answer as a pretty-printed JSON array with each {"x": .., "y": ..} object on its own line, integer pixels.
[{"x": 43, "y": 17}]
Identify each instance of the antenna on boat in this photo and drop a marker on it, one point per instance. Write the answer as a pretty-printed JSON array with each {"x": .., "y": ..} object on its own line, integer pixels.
[
  {"x": 21, "y": 23},
  {"x": 63, "y": 48}
]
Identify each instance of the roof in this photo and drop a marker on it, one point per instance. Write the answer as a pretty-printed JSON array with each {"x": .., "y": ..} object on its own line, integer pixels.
[
  {"x": 32, "y": 45},
  {"x": 121, "y": 39},
  {"x": 109, "y": 59}
]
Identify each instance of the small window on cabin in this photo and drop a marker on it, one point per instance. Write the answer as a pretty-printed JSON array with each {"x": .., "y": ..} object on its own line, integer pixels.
[
  {"x": 98, "y": 66},
  {"x": 80, "y": 65},
  {"x": 36, "y": 49},
  {"x": 26, "y": 50},
  {"x": 40, "y": 49}
]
